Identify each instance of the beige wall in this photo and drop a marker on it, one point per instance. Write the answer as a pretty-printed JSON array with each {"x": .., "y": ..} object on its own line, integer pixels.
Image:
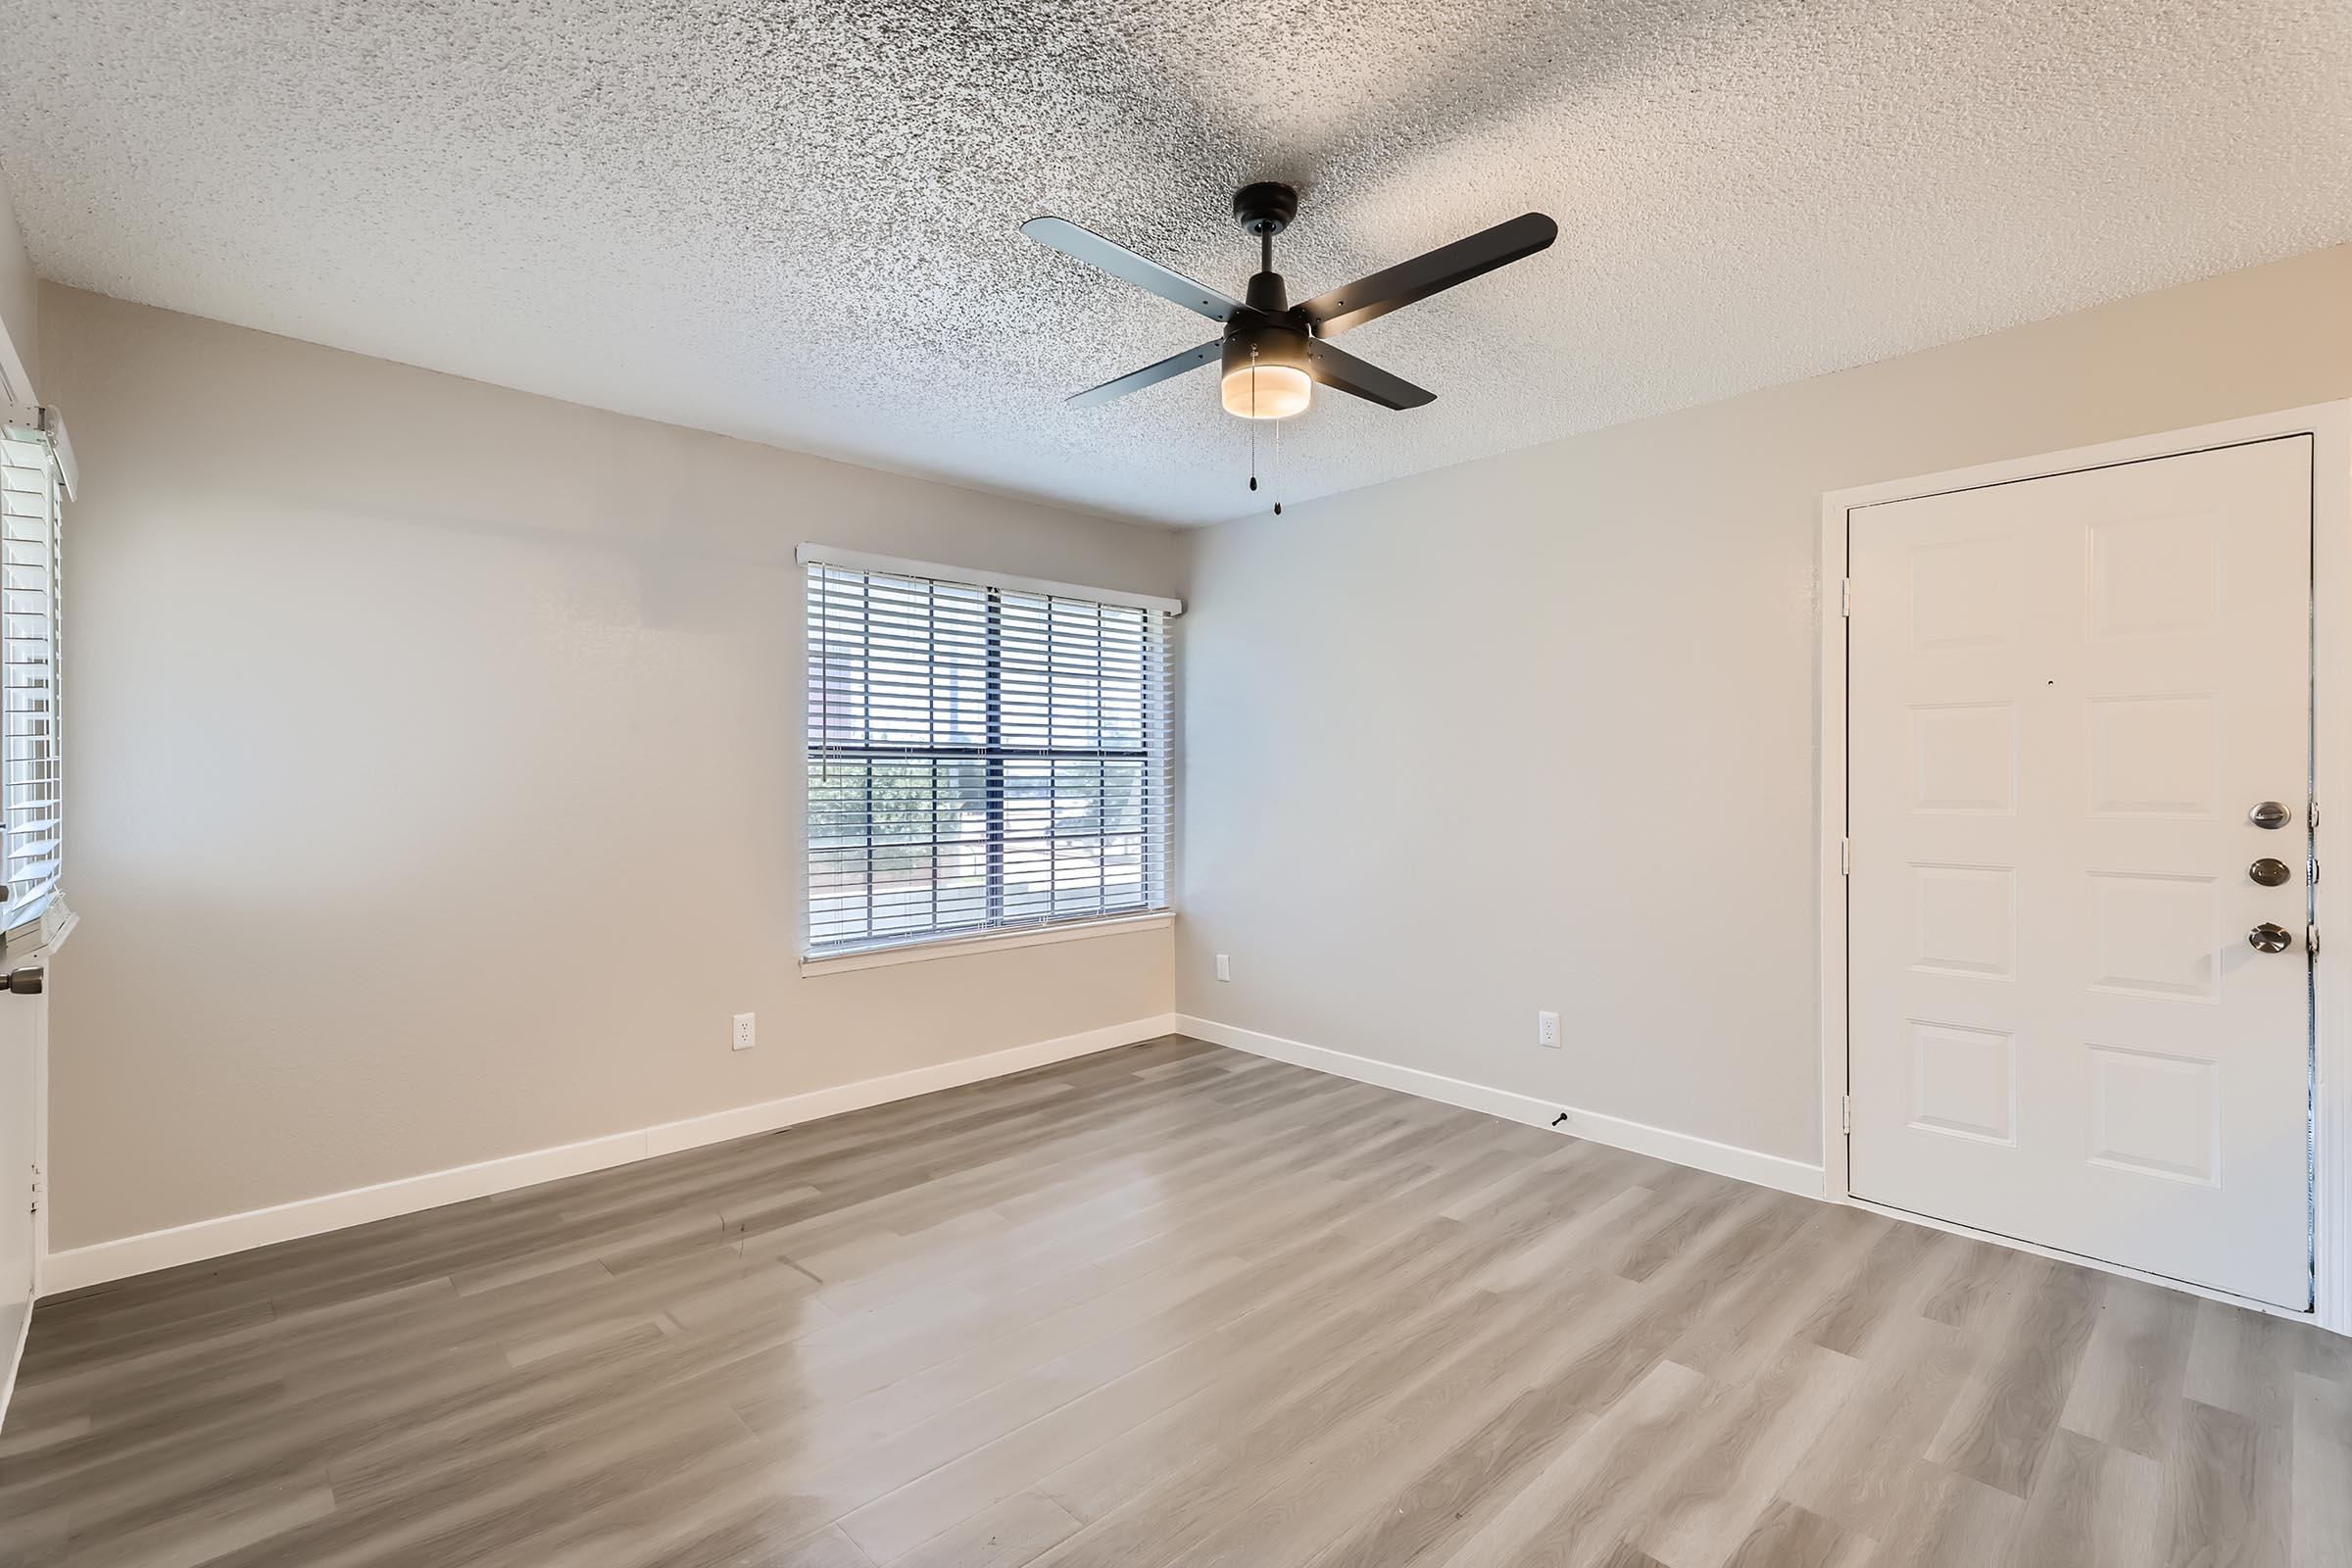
[
  {"x": 1541, "y": 731},
  {"x": 433, "y": 774}
]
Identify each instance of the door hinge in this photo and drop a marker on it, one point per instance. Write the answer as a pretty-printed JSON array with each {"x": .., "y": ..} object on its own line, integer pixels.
[
  {"x": 1846, "y": 857},
  {"x": 1845, "y": 1114},
  {"x": 2315, "y": 813},
  {"x": 2311, "y": 940},
  {"x": 1845, "y": 595},
  {"x": 36, "y": 1188}
]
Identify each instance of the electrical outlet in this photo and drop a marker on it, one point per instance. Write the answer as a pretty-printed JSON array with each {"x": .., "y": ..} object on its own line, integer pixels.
[
  {"x": 1547, "y": 1029},
  {"x": 1224, "y": 968},
  {"x": 747, "y": 1031}
]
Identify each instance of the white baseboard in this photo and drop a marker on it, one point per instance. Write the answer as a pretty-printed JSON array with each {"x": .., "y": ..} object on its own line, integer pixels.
[
  {"x": 78, "y": 1267},
  {"x": 1684, "y": 1149}
]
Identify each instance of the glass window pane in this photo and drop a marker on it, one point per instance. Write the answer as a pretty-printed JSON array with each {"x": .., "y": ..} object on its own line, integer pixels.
[{"x": 977, "y": 757}]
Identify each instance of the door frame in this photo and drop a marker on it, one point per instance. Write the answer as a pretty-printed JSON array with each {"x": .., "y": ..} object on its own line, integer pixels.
[
  {"x": 53, "y": 926},
  {"x": 2329, "y": 425}
]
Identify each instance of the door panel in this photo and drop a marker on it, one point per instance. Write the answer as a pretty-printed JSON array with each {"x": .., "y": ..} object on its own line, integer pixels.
[
  {"x": 24, "y": 1023},
  {"x": 2065, "y": 694}
]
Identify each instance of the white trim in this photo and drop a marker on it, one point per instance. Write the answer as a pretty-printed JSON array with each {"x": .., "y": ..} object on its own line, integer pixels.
[
  {"x": 2330, "y": 428},
  {"x": 809, "y": 554},
  {"x": 81, "y": 1266},
  {"x": 1683, "y": 1148},
  {"x": 60, "y": 927},
  {"x": 16, "y": 1359},
  {"x": 1830, "y": 725},
  {"x": 2320, "y": 419},
  {"x": 923, "y": 948},
  {"x": 16, "y": 382},
  {"x": 40, "y": 1124},
  {"x": 2329, "y": 425}
]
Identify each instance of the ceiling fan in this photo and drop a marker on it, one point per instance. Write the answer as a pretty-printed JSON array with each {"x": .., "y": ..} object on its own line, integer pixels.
[{"x": 1274, "y": 351}]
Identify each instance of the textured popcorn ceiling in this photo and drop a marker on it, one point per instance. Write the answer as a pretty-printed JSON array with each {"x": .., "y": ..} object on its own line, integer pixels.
[{"x": 797, "y": 221}]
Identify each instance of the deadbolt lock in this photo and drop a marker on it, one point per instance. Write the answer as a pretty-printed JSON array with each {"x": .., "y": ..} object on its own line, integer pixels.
[
  {"x": 2270, "y": 872},
  {"x": 2270, "y": 937},
  {"x": 2269, "y": 813}
]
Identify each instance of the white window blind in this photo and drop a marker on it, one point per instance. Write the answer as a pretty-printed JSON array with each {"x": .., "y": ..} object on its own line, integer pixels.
[
  {"x": 30, "y": 782},
  {"x": 981, "y": 757}
]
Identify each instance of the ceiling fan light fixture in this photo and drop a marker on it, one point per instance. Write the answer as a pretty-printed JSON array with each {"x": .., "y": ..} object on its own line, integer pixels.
[
  {"x": 1265, "y": 374},
  {"x": 1267, "y": 391}
]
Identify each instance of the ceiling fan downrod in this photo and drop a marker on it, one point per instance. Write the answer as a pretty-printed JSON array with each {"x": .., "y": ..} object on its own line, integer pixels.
[{"x": 1265, "y": 210}]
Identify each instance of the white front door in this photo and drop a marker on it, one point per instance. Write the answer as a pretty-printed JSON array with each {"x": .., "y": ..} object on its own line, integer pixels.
[
  {"x": 24, "y": 1021},
  {"x": 2066, "y": 695}
]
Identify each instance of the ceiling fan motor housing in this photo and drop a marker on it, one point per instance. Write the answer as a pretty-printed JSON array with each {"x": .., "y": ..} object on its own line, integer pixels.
[
  {"x": 1282, "y": 341},
  {"x": 1273, "y": 345}
]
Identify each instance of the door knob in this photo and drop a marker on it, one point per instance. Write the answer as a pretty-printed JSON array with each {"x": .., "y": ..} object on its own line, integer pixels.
[
  {"x": 2269, "y": 813},
  {"x": 2270, "y": 937},
  {"x": 2269, "y": 872}
]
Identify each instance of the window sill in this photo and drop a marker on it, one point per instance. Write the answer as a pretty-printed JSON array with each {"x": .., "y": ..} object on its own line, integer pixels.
[{"x": 993, "y": 942}]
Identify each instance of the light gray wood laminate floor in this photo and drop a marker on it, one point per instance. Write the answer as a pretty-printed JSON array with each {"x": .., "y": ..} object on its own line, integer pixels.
[{"x": 1165, "y": 1304}]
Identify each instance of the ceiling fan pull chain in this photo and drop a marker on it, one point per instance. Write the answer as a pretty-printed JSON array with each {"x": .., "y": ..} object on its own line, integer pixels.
[
  {"x": 1278, "y": 468},
  {"x": 1253, "y": 417}
]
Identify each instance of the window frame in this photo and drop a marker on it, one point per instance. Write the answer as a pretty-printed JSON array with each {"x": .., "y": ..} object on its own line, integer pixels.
[
  {"x": 42, "y": 920},
  {"x": 1155, "y": 756}
]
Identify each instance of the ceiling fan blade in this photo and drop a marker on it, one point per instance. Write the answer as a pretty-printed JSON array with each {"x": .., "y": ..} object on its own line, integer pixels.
[
  {"x": 1137, "y": 381},
  {"x": 1392, "y": 288},
  {"x": 1085, "y": 245},
  {"x": 1343, "y": 371}
]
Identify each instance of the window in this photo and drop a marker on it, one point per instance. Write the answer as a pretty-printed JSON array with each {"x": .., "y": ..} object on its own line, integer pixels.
[
  {"x": 30, "y": 783},
  {"x": 984, "y": 753}
]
